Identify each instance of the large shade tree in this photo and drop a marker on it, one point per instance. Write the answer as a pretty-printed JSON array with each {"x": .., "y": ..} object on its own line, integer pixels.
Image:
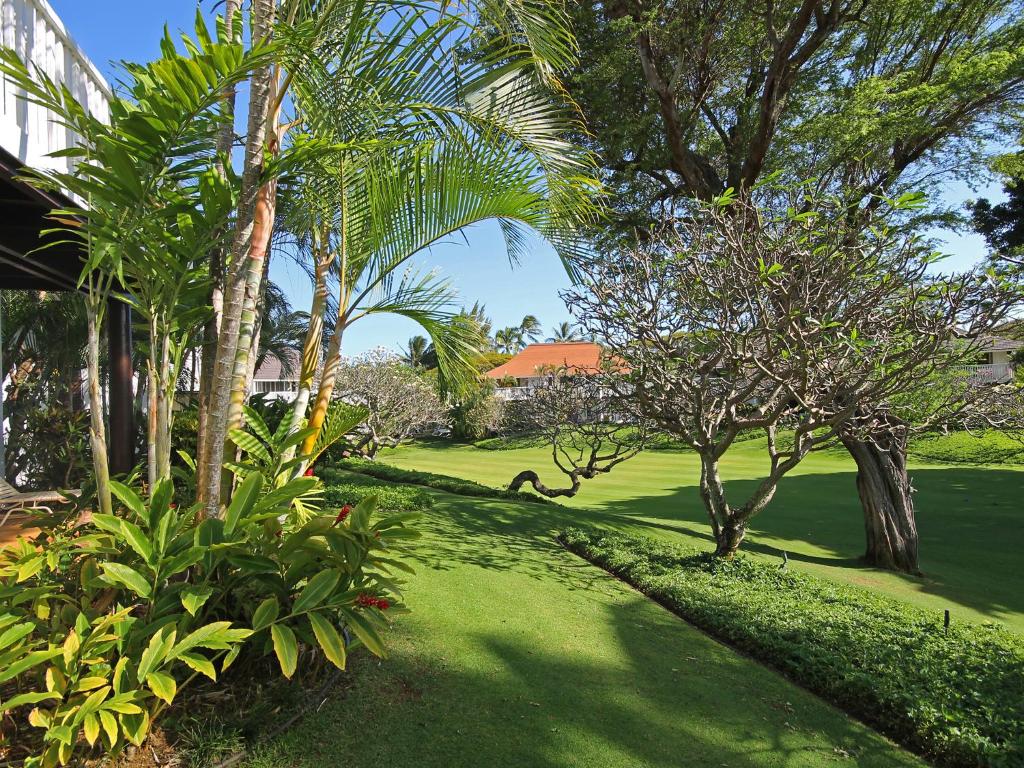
[
  {"x": 870, "y": 99},
  {"x": 790, "y": 319}
]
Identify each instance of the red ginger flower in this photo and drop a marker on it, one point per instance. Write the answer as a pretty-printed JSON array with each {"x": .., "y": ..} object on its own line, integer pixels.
[
  {"x": 308, "y": 472},
  {"x": 342, "y": 515},
  {"x": 369, "y": 601}
]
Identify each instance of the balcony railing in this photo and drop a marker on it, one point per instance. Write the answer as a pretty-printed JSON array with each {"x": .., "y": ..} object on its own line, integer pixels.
[
  {"x": 992, "y": 373},
  {"x": 27, "y": 131}
]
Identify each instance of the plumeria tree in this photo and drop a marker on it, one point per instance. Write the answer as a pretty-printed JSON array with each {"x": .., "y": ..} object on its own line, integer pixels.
[{"x": 791, "y": 318}]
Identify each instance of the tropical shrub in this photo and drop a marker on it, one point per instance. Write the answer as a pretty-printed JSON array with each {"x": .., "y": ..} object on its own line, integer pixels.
[
  {"x": 350, "y": 489},
  {"x": 102, "y": 623},
  {"x": 477, "y": 414},
  {"x": 952, "y": 694}
]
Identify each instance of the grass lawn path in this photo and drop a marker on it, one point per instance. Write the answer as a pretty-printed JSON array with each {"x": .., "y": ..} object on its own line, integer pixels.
[
  {"x": 970, "y": 518},
  {"x": 520, "y": 655}
]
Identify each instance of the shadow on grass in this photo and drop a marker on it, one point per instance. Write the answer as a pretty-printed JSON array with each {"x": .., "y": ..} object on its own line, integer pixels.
[
  {"x": 666, "y": 697},
  {"x": 971, "y": 530}
]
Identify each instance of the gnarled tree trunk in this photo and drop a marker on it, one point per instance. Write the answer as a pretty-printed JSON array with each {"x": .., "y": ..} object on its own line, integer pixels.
[
  {"x": 885, "y": 496},
  {"x": 531, "y": 477}
]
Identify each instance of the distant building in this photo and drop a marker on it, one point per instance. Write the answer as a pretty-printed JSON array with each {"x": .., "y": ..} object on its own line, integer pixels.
[
  {"x": 274, "y": 381},
  {"x": 537, "y": 362},
  {"x": 995, "y": 360}
]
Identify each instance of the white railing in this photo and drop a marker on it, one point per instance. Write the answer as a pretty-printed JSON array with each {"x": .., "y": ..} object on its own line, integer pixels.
[
  {"x": 513, "y": 393},
  {"x": 992, "y": 373},
  {"x": 36, "y": 34}
]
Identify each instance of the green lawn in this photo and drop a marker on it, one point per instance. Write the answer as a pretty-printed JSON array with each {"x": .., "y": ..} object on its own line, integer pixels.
[
  {"x": 971, "y": 518},
  {"x": 518, "y": 654}
]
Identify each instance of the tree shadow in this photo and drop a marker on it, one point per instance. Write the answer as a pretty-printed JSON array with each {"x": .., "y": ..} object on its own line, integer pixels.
[
  {"x": 969, "y": 522},
  {"x": 971, "y": 532}
]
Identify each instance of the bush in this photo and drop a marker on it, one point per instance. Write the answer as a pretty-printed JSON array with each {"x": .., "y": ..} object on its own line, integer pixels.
[
  {"x": 988, "y": 447},
  {"x": 477, "y": 415},
  {"x": 440, "y": 482},
  {"x": 103, "y": 623},
  {"x": 953, "y": 696},
  {"x": 352, "y": 488}
]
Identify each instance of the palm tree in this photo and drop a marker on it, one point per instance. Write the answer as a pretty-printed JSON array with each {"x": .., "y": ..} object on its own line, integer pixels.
[
  {"x": 450, "y": 149},
  {"x": 564, "y": 332},
  {"x": 415, "y": 351},
  {"x": 508, "y": 340},
  {"x": 530, "y": 328},
  {"x": 282, "y": 330}
]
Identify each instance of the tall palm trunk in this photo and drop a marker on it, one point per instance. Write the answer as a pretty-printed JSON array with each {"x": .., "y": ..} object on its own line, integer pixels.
[
  {"x": 332, "y": 363},
  {"x": 252, "y": 231},
  {"x": 97, "y": 431},
  {"x": 211, "y": 332},
  {"x": 314, "y": 334}
]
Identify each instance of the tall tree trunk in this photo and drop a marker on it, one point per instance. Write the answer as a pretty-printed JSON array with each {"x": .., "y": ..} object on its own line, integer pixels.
[
  {"x": 314, "y": 337},
  {"x": 211, "y": 332},
  {"x": 97, "y": 430},
  {"x": 332, "y": 364},
  {"x": 246, "y": 268},
  {"x": 885, "y": 496}
]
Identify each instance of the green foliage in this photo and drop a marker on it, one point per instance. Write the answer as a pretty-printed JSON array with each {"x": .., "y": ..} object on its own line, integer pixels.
[
  {"x": 476, "y": 414},
  {"x": 440, "y": 482},
  {"x": 350, "y": 488},
  {"x": 952, "y": 695},
  {"x": 984, "y": 447},
  {"x": 102, "y": 628}
]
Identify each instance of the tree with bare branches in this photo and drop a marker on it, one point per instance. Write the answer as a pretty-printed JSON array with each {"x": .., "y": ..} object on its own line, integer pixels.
[
  {"x": 399, "y": 399},
  {"x": 790, "y": 317},
  {"x": 576, "y": 415}
]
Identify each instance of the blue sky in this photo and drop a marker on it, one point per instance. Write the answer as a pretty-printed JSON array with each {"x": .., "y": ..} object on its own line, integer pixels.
[{"x": 113, "y": 30}]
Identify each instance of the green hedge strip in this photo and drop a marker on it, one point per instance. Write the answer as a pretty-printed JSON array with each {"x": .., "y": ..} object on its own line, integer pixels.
[
  {"x": 440, "y": 482},
  {"x": 955, "y": 697}
]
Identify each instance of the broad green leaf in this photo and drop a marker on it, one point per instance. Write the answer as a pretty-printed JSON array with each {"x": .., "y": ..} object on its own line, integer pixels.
[
  {"x": 14, "y": 634},
  {"x": 163, "y": 685},
  {"x": 332, "y": 643},
  {"x": 137, "y": 540},
  {"x": 27, "y": 662},
  {"x": 91, "y": 728},
  {"x": 366, "y": 633},
  {"x": 245, "y": 496},
  {"x": 319, "y": 588},
  {"x": 119, "y": 573},
  {"x": 265, "y": 614},
  {"x": 193, "y": 598},
  {"x": 109, "y": 723},
  {"x": 218, "y": 636},
  {"x": 27, "y": 698},
  {"x": 156, "y": 651},
  {"x": 286, "y": 648},
  {"x": 200, "y": 664},
  {"x": 129, "y": 498}
]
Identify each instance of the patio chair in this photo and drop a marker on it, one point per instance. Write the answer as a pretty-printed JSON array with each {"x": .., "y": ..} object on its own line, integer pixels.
[{"x": 12, "y": 500}]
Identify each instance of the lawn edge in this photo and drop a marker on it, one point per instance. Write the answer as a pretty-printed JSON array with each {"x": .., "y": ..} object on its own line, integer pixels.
[{"x": 767, "y": 665}]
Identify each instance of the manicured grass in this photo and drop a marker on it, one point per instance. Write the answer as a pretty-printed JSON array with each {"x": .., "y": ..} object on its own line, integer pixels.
[
  {"x": 877, "y": 657},
  {"x": 969, "y": 517},
  {"x": 517, "y": 654}
]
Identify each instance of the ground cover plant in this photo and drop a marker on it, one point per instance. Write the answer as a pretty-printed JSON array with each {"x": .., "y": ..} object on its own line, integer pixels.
[
  {"x": 952, "y": 694},
  {"x": 441, "y": 482},
  {"x": 351, "y": 488}
]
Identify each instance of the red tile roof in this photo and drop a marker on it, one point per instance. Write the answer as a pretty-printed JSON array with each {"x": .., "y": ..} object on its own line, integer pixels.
[{"x": 535, "y": 359}]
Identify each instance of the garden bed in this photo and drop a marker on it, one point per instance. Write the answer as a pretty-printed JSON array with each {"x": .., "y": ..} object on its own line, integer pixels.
[{"x": 953, "y": 695}]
